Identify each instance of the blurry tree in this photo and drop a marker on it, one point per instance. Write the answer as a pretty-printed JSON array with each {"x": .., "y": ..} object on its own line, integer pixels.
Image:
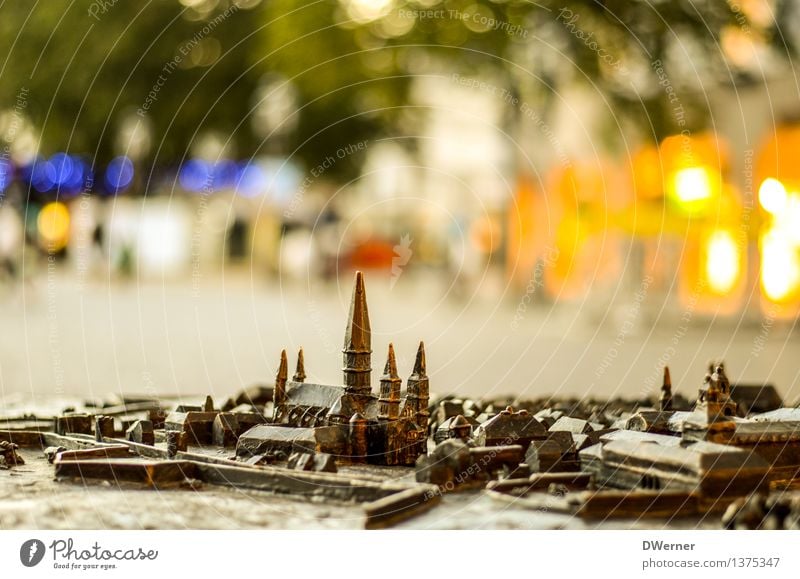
[
  {"x": 194, "y": 65},
  {"x": 90, "y": 66}
]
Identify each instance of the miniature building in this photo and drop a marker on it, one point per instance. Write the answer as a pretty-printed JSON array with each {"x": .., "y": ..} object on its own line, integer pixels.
[
  {"x": 455, "y": 465},
  {"x": 460, "y": 427},
  {"x": 74, "y": 424},
  {"x": 664, "y": 420},
  {"x": 103, "y": 427},
  {"x": 713, "y": 470},
  {"x": 447, "y": 409},
  {"x": 756, "y": 398},
  {"x": 773, "y": 436},
  {"x": 509, "y": 427},
  {"x": 556, "y": 453},
  {"x": 269, "y": 439},
  {"x": 207, "y": 425},
  {"x": 573, "y": 425},
  {"x": 197, "y": 424},
  {"x": 225, "y": 429},
  {"x": 141, "y": 432},
  {"x": 388, "y": 428}
]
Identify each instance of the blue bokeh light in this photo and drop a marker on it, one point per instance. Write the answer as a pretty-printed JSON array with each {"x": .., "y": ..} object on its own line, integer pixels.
[
  {"x": 225, "y": 174},
  {"x": 251, "y": 180},
  {"x": 70, "y": 172},
  {"x": 62, "y": 167},
  {"x": 6, "y": 174},
  {"x": 119, "y": 174},
  {"x": 196, "y": 175},
  {"x": 42, "y": 175}
]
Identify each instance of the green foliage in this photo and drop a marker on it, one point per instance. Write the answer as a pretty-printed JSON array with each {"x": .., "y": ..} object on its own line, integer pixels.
[{"x": 86, "y": 74}]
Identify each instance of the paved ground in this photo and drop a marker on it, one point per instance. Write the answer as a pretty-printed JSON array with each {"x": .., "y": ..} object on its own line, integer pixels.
[{"x": 180, "y": 337}]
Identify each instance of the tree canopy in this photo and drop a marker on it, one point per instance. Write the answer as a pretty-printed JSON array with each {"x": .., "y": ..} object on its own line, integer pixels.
[{"x": 342, "y": 68}]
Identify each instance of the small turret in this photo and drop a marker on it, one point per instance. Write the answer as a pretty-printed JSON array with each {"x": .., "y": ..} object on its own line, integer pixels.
[
  {"x": 389, "y": 402},
  {"x": 300, "y": 371},
  {"x": 279, "y": 395}
]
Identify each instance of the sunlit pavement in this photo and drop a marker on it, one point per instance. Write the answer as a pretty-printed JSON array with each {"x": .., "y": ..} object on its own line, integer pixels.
[{"x": 217, "y": 333}]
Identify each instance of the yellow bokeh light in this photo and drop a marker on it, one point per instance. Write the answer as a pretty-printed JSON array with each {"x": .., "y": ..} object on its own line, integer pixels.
[
  {"x": 723, "y": 262},
  {"x": 367, "y": 10},
  {"x": 692, "y": 186},
  {"x": 53, "y": 226},
  {"x": 788, "y": 220},
  {"x": 772, "y": 196},
  {"x": 780, "y": 267}
]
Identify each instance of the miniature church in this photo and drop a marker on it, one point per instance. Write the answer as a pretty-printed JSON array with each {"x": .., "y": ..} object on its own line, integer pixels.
[{"x": 351, "y": 421}]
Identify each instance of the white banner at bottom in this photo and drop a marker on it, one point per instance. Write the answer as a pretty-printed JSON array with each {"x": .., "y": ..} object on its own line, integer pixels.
[{"x": 121, "y": 554}]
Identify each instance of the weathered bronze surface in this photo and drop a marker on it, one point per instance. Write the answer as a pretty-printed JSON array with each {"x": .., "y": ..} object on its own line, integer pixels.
[
  {"x": 400, "y": 506},
  {"x": 110, "y": 451}
]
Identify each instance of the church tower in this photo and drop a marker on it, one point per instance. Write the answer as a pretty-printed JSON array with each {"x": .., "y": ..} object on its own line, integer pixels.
[
  {"x": 389, "y": 402},
  {"x": 717, "y": 402},
  {"x": 279, "y": 395},
  {"x": 714, "y": 414},
  {"x": 358, "y": 343},
  {"x": 418, "y": 391}
]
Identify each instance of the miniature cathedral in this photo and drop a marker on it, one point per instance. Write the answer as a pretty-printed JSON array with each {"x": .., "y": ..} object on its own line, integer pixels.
[{"x": 390, "y": 428}]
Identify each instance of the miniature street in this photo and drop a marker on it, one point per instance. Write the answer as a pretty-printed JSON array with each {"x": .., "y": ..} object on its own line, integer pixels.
[{"x": 32, "y": 499}]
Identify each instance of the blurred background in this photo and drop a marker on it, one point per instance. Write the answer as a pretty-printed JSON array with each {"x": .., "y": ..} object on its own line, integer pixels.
[{"x": 558, "y": 197}]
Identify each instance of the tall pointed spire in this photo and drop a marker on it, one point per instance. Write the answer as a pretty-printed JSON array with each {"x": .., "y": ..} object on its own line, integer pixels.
[
  {"x": 279, "y": 395},
  {"x": 666, "y": 391},
  {"x": 300, "y": 371},
  {"x": 389, "y": 402},
  {"x": 358, "y": 342}
]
